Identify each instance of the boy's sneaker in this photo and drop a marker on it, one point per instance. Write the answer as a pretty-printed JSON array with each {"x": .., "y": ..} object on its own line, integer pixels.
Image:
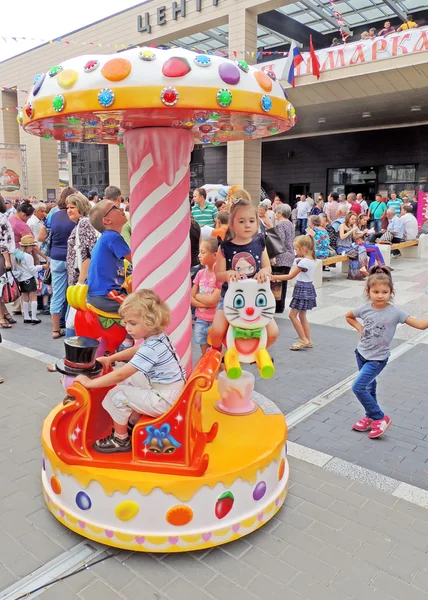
[
  {"x": 363, "y": 424},
  {"x": 112, "y": 444},
  {"x": 379, "y": 427}
]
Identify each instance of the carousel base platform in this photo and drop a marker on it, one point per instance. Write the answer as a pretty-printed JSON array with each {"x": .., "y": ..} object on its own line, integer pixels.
[{"x": 243, "y": 487}]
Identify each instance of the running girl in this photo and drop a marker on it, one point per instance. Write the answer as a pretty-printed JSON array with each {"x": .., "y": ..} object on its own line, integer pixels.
[{"x": 379, "y": 321}]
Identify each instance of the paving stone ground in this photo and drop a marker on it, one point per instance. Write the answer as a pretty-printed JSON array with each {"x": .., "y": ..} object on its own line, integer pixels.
[
  {"x": 403, "y": 452},
  {"x": 334, "y": 539}
]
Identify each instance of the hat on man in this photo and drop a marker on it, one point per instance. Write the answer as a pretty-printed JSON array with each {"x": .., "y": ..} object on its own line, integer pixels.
[
  {"x": 27, "y": 240},
  {"x": 92, "y": 194}
]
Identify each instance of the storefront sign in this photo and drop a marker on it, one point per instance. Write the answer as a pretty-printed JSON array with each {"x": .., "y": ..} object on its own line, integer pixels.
[
  {"x": 357, "y": 53},
  {"x": 422, "y": 207},
  {"x": 165, "y": 13}
]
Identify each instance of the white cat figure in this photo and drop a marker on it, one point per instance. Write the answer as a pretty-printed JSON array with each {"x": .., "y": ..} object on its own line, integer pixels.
[{"x": 248, "y": 306}]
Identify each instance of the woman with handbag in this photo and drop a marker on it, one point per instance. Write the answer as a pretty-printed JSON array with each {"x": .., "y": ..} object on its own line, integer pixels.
[
  {"x": 7, "y": 246},
  {"x": 346, "y": 245},
  {"x": 55, "y": 235},
  {"x": 284, "y": 260}
]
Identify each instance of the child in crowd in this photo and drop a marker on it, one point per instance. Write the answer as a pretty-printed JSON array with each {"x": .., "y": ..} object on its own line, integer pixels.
[
  {"x": 26, "y": 273},
  {"x": 241, "y": 255},
  {"x": 221, "y": 224},
  {"x": 152, "y": 380},
  {"x": 379, "y": 321},
  {"x": 205, "y": 293},
  {"x": 304, "y": 294}
]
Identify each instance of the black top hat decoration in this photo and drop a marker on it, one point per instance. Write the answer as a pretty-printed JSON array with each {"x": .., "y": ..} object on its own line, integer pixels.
[{"x": 79, "y": 357}]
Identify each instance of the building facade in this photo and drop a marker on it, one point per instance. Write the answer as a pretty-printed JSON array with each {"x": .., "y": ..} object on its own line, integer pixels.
[{"x": 361, "y": 124}]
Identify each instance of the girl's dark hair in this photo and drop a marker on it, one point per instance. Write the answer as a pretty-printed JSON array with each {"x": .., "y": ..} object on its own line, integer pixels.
[
  {"x": 3, "y": 207},
  {"x": 379, "y": 275},
  {"x": 66, "y": 192},
  {"x": 26, "y": 208}
]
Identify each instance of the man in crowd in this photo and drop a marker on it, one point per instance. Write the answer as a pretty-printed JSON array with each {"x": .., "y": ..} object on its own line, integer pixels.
[
  {"x": 203, "y": 212},
  {"x": 342, "y": 211},
  {"x": 37, "y": 219},
  {"x": 410, "y": 222},
  {"x": 354, "y": 205},
  {"x": 343, "y": 201},
  {"x": 363, "y": 204},
  {"x": 303, "y": 209},
  {"x": 10, "y": 209},
  {"x": 332, "y": 206},
  {"x": 114, "y": 194},
  {"x": 93, "y": 197},
  {"x": 395, "y": 203},
  {"x": 396, "y": 227}
]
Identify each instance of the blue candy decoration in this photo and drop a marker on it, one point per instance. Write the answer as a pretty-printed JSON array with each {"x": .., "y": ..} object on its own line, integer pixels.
[
  {"x": 250, "y": 129},
  {"x": 266, "y": 103},
  {"x": 106, "y": 97},
  {"x": 202, "y": 60},
  {"x": 83, "y": 501}
]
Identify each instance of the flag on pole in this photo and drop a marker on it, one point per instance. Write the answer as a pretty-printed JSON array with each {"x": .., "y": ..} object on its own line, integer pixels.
[
  {"x": 314, "y": 60},
  {"x": 294, "y": 59}
]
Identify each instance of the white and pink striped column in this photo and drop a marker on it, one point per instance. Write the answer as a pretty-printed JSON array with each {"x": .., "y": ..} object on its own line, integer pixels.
[{"x": 159, "y": 180}]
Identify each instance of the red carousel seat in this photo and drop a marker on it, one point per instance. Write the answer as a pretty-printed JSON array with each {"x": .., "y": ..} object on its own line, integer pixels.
[{"x": 173, "y": 443}]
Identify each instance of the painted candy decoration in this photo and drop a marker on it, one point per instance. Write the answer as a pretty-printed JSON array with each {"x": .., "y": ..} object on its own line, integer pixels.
[
  {"x": 127, "y": 510},
  {"x": 147, "y": 55},
  {"x": 205, "y": 140},
  {"x": 271, "y": 75},
  {"x": 58, "y": 103},
  {"x": 224, "y": 505},
  {"x": 273, "y": 130},
  {"x": 266, "y": 103},
  {"x": 264, "y": 81},
  {"x": 73, "y": 120},
  {"x": 38, "y": 82},
  {"x": 205, "y": 128},
  {"x": 169, "y": 96},
  {"x": 224, "y": 98},
  {"x": 116, "y": 69},
  {"x": 243, "y": 65},
  {"x": 179, "y": 515},
  {"x": 202, "y": 60},
  {"x": 250, "y": 129},
  {"x": 214, "y": 116},
  {"x": 29, "y": 110},
  {"x": 55, "y": 485},
  {"x": 106, "y": 97},
  {"x": 92, "y": 122},
  {"x": 68, "y": 134},
  {"x": 291, "y": 111},
  {"x": 229, "y": 73},
  {"x": 176, "y": 66},
  {"x": 83, "y": 501},
  {"x": 201, "y": 117},
  {"x": 91, "y": 65},
  {"x": 215, "y": 142},
  {"x": 259, "y": 491},
  {"x": 55, "y": 70},
  {"x": 67, "y": 78}
]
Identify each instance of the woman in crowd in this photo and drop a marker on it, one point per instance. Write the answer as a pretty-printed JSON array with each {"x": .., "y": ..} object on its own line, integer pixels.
[
  {"x": 60, "y": 229},
  {"x": 81, "y": 241},
  {"x": 347, "y": 245},
  {"x": 263, "y": 216},
  {"x": 318, "y": 207},
  {"x": 361, "y": 237},
  {"x": 7, "y": 246},
  {"x": 284, "y": 261},
  {"x": 320, "y": 237}
]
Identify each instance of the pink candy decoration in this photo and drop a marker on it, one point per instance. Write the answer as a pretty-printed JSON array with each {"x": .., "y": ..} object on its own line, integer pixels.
[
  {"x": 173, "y": 540},
  {"x": 159, "y": 180}
]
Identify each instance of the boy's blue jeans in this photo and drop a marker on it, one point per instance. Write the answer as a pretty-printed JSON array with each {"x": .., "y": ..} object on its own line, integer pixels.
[{"x": 364, "y": 386}]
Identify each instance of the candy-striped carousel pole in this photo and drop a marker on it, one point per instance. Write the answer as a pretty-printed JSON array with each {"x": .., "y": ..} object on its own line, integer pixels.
[{"x": 159, "y": 180}]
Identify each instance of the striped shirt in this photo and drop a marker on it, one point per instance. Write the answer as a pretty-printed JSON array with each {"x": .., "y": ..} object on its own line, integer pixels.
[
  {"x": 396, "y": 205},
  {"x": 156, "y": 360},
  {"x": 206, "y": 215}
]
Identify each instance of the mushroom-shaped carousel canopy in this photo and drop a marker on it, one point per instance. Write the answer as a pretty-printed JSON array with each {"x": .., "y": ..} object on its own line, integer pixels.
[{"x": 97, "y": 98}]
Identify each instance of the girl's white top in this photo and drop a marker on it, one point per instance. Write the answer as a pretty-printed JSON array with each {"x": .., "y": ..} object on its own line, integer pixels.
[
  {"x": 26, "y": 269},
  {"x": 308, "y": 269}
]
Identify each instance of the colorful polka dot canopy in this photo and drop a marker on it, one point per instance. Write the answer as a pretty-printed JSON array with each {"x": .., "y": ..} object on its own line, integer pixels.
[{"x": 97, "y": 98}]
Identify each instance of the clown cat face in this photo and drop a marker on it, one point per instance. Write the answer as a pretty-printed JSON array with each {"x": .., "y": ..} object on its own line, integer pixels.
[{"x": 249, "y": 304}]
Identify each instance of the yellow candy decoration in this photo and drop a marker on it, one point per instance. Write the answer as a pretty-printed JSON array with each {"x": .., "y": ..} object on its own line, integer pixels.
[
  {"x": 125, "y": 511},
  {"x": 67, "y": 78}
]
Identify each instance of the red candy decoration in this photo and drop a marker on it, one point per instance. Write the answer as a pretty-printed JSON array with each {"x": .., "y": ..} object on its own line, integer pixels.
[
  {"x": 29, "y": 110},
  {"x": 169, "y": 96},
  {"x": 224, "y": 505},
  {"x": 176, "y": 67}
]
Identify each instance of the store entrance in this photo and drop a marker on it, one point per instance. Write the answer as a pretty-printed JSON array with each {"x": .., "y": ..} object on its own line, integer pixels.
[
  {"x": 297, "y": 189},
  {"x": 368, "y": 190}
]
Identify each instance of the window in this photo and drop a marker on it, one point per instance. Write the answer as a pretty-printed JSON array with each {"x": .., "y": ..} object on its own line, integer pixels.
[{"x": 89, "y": 167}]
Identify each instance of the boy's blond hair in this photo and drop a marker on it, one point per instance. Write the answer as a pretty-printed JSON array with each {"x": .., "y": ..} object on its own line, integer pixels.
[{"x": 154, "y": 312}]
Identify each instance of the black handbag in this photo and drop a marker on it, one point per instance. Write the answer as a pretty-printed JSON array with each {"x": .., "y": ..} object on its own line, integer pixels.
[
  {"x": 47, "y": 279},
  {"x": 274, "y": 243}
]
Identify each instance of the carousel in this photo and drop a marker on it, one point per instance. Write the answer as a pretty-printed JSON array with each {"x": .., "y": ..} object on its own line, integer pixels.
[{"x": 214, "y": 467}]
